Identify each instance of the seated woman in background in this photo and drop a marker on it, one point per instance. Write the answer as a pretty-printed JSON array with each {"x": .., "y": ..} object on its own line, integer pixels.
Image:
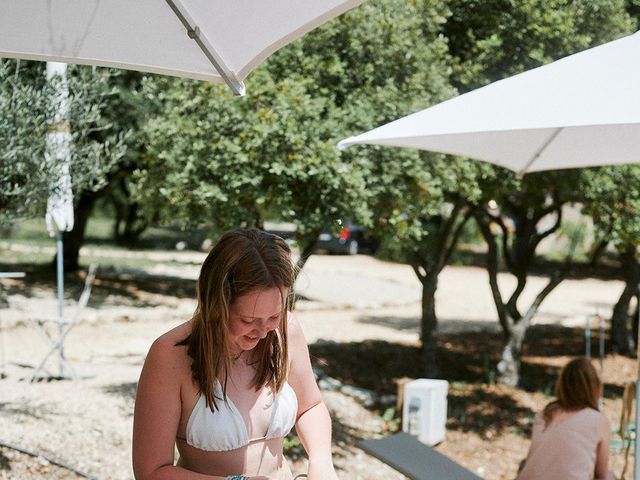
[
  {"x": 228, "y": 385},
  {"x": 570, "y": 437}
]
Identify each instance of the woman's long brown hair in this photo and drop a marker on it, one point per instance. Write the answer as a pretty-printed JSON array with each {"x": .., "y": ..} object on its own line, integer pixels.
[
  {"x": 577, "y": 387},
  {"x": 243, "y": 261}
]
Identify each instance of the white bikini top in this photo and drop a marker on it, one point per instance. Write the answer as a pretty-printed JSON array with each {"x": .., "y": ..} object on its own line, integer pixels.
[{"x": 224, "y": 429}]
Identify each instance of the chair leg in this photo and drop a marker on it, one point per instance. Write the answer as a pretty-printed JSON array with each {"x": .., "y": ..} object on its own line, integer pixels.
[
  {"x": 56, "y": 346},
  {"x": 41, "y": 364}
]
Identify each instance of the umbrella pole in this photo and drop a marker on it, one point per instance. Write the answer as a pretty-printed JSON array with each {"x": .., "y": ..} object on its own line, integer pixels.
[
  {"x": 60, "y": 276},
  {"x": 636, "y": 446},
  {"x": 601, "y": 341},
  {"x": 587, "y": 337}
]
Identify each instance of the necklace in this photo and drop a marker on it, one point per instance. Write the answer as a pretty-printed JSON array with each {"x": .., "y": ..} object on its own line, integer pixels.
[{"x": 236, "y": 357}]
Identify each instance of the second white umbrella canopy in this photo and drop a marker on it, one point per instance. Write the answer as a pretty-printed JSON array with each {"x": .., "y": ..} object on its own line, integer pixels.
[
  {"x": 582, "y": 110},
  {"x": 215, "y": 40}
]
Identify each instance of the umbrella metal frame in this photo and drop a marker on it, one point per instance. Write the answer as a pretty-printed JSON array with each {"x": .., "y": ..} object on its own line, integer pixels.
[{"x": 205, "y": 45}]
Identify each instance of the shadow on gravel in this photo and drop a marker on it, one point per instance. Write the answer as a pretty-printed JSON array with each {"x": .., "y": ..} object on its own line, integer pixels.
[
  {"x": 468, "y": 357},
  {"x": 5, "y": 462},
  {"x": 126, "y": 390},
  {"x": 408, "y": 324},
  {"x": 13, "y": 411},
  {"x": 474, "y": 404},
  {"x": 134, "y": 285},
  {"x": 445, "y": 325},
  {"x": 486, "y": 411},
  {"x": 468, "y": 361},
  {"x": 372, "y": 364},
  {"x": 346, "y": 436}
]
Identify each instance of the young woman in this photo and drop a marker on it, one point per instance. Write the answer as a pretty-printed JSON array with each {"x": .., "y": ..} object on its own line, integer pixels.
[
  {"x": 570, "y": 438},
  {"x": 228, "y": 385}
]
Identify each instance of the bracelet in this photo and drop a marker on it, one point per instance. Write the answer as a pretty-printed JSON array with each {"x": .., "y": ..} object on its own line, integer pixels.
[{"x": 236, "y": 477}]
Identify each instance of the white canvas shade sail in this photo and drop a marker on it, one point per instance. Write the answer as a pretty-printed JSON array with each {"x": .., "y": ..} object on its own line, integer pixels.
[
  {"x": 579, "y": 111},
  {"x": 211, "y": 40}
]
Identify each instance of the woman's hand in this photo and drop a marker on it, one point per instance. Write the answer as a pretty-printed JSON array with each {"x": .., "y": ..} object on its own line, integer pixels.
[{"x": 321, "y": 471}]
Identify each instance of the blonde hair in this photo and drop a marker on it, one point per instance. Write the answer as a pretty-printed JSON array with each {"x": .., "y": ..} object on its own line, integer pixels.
[
  {"x": 242, "y": 261},
  {"x": 577, "y": 387}
]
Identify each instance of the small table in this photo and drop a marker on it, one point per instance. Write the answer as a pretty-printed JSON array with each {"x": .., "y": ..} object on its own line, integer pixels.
[
  {"x": 414, "y": 459},
  {"x": 12, "y": 274}
]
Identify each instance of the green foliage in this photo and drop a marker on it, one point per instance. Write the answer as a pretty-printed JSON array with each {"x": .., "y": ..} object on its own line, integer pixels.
[
  {"x": 293, "y": 447},
  {"x": 291, "y": 442},
  {"x": 495, "y": 39},
  {"x": 24, "y": 109},
  {"x": 189, "y": 153},
  {"x": 231, "y": 162},
  {"x": 412, "y": 194},
  {"x": 199, "y": 156},
  {"x": 612, "y": 199},
  {"x": 575, "y": 233},
  {"x": 391, "y": 422},
  {"x": 96, "y": 145},
  {"x": 633, "y": 8},
  {"x": 498, "y": 38},
  {"x": 389, "y": 59},
  {"x": 27, "y": 106}
]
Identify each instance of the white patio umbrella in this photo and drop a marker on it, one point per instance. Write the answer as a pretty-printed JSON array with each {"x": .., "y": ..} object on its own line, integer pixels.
[
  {"x": 580, "y": 111},
  {"x": 214, "y": 40}
]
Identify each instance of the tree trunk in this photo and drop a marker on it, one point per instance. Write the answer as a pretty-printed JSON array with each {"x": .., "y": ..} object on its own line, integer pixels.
[
  {"x": 509, "y": 365},
  {"x": 72, "y": 241},
  {"x": 518, "y": 256},
  {"x": 429, "y": 326},
  {"x": 128, "y": 225},
  {"x": 621, "y": 321},
  {"x": 427, "y": 266},
  {"x": 517, "y": 326},
  {"x": 306, "y": 244}
]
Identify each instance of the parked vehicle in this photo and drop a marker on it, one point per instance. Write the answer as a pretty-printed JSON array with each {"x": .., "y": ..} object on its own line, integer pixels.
[{"x": 350, "y": 240}]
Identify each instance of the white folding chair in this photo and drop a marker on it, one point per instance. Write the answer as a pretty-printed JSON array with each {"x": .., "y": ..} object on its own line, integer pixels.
[{"x": 45, "y": 325}]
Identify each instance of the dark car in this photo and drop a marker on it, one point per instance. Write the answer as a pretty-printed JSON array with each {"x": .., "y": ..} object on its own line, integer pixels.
[{"x": 350, "y": 240}]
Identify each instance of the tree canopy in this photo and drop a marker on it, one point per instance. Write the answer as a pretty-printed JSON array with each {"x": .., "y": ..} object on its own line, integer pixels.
[{"x": 27, "y": 106}]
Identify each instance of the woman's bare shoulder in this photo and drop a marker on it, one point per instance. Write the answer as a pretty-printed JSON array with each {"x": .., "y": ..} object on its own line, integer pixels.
[
  {"x": 295, "y": 337},
  {"x": 167, "y": 348},
  {"x": 176, "y": 334},
  {"x": 294, "y": 330}
]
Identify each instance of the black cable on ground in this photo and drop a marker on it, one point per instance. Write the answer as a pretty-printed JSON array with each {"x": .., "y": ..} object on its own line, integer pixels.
[{"x": 52, "y": 461}]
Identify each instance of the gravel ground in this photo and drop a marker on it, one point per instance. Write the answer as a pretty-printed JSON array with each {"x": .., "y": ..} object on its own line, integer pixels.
[{"x": 87, "y": 423}]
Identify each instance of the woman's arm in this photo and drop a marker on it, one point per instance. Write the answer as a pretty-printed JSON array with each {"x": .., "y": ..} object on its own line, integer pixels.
[
  {"x": 602, "y": 453},
  {"x": 157, "y": 414},
  {"x": 313, "y": 425},
  {"x": 314, "y": 429}
]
